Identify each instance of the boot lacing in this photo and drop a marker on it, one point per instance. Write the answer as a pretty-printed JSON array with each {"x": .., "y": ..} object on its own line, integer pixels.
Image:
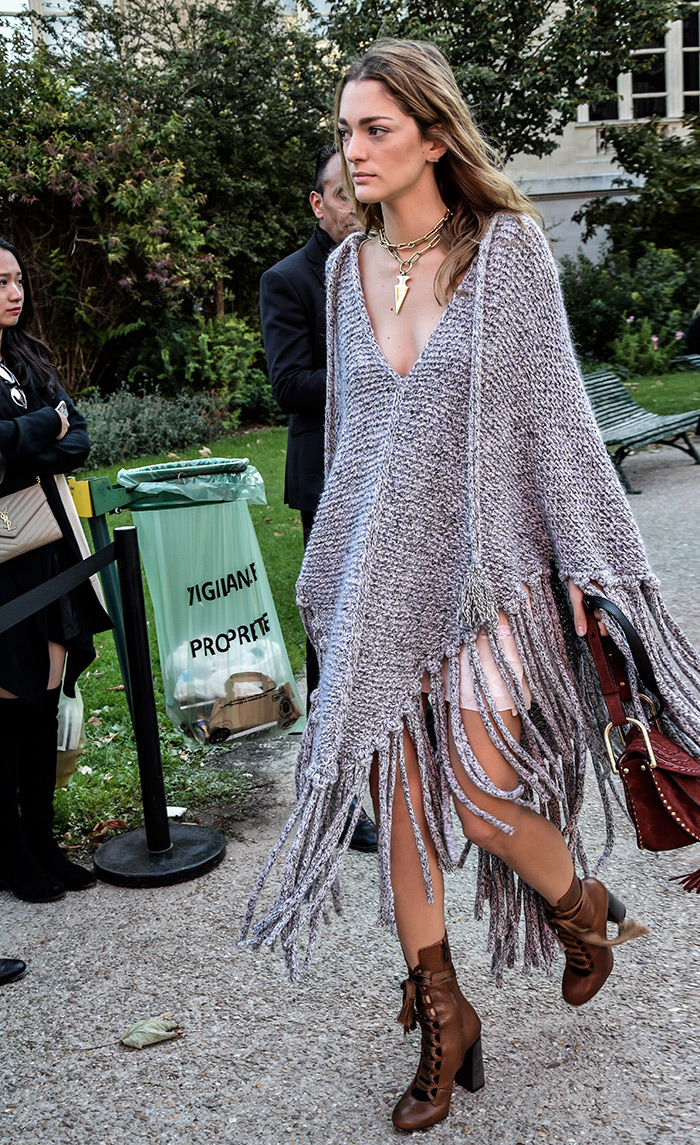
[{"x": 416, "y": 989}]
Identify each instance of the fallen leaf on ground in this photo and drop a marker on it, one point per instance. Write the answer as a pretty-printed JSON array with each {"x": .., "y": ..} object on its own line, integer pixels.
[
  {"x": 149, "y": 1031},
  {"x": 100, "y": 829}
]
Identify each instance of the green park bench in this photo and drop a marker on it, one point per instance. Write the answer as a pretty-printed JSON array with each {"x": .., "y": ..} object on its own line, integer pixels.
[{"x": 625, "y": 425}]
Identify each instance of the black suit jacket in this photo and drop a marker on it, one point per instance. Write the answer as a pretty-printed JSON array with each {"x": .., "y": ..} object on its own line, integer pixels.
[{"x": 293, "y": 320}]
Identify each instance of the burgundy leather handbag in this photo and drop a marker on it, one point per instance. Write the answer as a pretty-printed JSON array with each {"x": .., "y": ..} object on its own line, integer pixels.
[{"x": 661, "y": 781}]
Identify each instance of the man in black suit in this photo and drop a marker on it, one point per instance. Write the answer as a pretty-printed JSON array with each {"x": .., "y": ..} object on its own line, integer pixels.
[{"x": 293, "y": 320}]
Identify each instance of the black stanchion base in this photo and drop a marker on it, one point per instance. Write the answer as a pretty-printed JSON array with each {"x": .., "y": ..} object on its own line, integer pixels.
[{"x": 127, "y": 862}]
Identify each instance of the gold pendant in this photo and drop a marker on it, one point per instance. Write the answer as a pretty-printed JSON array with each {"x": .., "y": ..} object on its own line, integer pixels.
[{"x": 401, "y": 290}]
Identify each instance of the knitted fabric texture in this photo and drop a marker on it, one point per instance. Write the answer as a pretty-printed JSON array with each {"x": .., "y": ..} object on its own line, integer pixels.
[{"x": 476, "y": 483}]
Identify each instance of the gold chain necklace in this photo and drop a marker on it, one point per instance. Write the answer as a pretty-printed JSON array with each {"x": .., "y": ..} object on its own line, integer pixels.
[{"x": 427, "y": 241}]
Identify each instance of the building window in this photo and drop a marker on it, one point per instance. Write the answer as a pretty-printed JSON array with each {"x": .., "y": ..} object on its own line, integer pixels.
[
  {"x": 691, "y": 64},
  {"x": 9, "y": 12},
  {"x": 649, "y": 82},
  {"x": 664, "y": 82},
  {"x": 13, "y": 18},
  {"x": 607, "y": 108}
]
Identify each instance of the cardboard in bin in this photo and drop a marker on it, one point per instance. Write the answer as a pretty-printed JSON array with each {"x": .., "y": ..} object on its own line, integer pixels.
[{"x": 252, "y": 702}]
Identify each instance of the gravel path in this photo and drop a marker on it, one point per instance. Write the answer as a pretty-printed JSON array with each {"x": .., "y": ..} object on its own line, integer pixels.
[{"x": 323, "y": 1061}]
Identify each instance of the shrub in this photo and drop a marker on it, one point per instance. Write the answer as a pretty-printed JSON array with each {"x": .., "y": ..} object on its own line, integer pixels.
[
  {"x": 217, "y": 356},
  {"x": 661, "y": 287},
  {"x": 640, "y": 350},
  {"x": 128, "y": 425}
]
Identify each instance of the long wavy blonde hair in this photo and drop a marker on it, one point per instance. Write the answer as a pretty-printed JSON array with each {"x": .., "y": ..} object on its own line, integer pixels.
[{"x": 420, "y": 80}]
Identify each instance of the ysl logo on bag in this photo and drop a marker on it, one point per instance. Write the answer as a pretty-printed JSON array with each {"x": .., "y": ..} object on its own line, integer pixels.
[{"x": 5, "y": 518}]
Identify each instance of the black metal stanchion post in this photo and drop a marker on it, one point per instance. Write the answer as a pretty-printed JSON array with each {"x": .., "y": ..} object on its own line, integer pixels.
[
  {"x": 144, "y": 715},
  {"x": 162, "y": 852},
  {"x": 110, "y": 585}
]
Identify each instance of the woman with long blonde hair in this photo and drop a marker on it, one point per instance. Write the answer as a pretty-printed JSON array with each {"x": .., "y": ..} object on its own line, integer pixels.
[{"x": 469, "y": 504}]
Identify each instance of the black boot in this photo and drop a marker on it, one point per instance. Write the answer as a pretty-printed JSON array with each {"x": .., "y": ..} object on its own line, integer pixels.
[
  {"x": 364, "y": 837},
  {"x": 37, "y": 783},
  {"x": 19, "y": 870},
  {"x": 11, "y": 970}
]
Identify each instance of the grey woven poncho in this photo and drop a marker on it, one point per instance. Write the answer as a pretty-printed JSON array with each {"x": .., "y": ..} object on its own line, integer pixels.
[{"x": 478, "y": 482}]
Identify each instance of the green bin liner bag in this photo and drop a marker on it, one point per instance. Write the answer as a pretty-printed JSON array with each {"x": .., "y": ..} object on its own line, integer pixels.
[{"x": 226, "y": 672}]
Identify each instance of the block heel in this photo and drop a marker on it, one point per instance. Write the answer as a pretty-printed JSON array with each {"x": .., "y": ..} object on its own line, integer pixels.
[
  {"x": 617, "y": 911},
  {"x": 470, "y": 1074}
]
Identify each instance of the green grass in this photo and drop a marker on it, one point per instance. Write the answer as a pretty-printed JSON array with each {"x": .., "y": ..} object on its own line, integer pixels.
[
  {"x": 106, "y": 786},
  {"x": 668, "y": 393}
]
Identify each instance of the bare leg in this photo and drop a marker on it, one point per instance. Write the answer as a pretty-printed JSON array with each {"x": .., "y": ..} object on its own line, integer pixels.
[
  {"x": 536, "y": 850},
  {"x": 418, "y": 922},
  {"x": 57, "y": 658}
]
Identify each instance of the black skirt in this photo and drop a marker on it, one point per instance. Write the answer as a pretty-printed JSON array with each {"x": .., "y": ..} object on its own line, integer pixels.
[{"x": 71, "y": 621}]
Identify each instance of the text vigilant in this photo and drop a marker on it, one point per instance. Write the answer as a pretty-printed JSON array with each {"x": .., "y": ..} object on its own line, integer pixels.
[{"x": 223, "y": 585}]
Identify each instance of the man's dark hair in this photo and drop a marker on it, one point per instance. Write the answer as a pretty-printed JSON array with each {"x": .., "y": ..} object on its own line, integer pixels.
[{"x": 323, "y": 159}]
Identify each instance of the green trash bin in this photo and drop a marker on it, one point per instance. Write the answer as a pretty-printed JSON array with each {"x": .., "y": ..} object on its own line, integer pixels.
[{"x": 226, "y": 672}]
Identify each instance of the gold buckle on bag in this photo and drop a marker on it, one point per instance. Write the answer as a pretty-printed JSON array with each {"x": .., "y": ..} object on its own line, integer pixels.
[
  {"x": 653, "y": 710},
  {"x": 647, "y": 743}
]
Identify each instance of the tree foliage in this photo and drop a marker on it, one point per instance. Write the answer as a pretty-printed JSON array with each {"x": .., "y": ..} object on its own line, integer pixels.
[
  {"x": 219, "y": 355},
  {"x": 524, "y": 66},
  {"x": 159, "y": 158},
  {"x": 239, "y": 96},
  {"x": 664, "y": 206},
  {"x": 106, "y": 221}
]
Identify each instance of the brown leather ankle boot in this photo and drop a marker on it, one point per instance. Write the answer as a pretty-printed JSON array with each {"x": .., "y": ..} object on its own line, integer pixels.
[
  {"x": 450, "y": 1043},
  {"x": 579, "y": 921}
]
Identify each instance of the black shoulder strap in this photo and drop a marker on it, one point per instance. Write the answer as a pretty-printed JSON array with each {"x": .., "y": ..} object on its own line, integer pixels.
[
  {"x": 639, "y": 653},
  {"x": 30, "y": 602}
]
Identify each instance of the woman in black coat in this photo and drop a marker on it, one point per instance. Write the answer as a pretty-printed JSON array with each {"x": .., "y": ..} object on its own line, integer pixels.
[{"x": 41, "y": 435}]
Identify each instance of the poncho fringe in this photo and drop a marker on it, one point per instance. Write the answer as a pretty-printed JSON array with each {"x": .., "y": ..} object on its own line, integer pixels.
[
  {"x": 561, "y": 729},
  {"x": 551, "y": 768}
]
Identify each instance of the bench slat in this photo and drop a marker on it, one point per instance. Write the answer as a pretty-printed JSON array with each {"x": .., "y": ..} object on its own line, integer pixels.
[{"x": 626, "y": 425}]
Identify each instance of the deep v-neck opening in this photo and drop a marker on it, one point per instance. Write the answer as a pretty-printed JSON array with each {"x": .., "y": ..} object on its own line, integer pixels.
[{"x": 355, "y": 261}]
